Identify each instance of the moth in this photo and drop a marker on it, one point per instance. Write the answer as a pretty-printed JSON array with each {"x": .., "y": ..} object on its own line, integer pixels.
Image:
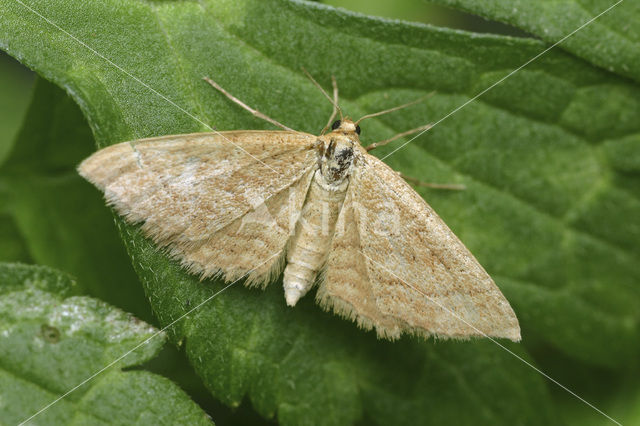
[{"x": 243, "y": 203}]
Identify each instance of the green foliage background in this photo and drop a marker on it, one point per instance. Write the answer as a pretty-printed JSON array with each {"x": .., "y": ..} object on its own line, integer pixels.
[{"x": 550, "y": 157}]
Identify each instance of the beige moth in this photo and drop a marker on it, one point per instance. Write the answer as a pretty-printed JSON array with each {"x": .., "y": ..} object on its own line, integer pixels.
[{"x": 248, "y": 204}]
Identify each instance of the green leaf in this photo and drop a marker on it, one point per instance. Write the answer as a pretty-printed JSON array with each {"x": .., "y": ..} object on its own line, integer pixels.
[
  {"x": 549, "y": 209},
  {"x": 612, "y": 41},
  {"x": 59, "y": 219},
  {"x": 616, "y": 395},
  {"x": 52, "y": 340},
  {"x": 623, "y": 404}
]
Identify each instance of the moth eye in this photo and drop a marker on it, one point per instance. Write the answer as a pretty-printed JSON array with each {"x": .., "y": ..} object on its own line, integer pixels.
[
  {"x": 358, "y": 129},
  {"x": 335, "y": 125}
]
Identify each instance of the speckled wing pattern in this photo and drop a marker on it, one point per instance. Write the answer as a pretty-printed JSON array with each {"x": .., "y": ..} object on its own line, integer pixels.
[
  {"x": 395, "y": 266},
  {"x": 221, "y": 203}
]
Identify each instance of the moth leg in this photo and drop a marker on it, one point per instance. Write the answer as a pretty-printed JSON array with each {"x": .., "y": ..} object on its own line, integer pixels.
[
  {"x": 255, "y": 112},
  {"x": 398, "y": 136},
  {"x": 418, "y": 182}
]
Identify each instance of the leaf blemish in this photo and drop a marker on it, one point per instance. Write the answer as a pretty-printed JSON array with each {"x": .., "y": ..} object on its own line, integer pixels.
[{"x": 50, "y": 333}]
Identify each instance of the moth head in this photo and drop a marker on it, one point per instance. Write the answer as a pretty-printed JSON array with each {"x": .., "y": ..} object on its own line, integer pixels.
[
  {"x": 342, "y": 139},
  {"x": 346, "y": 127}
]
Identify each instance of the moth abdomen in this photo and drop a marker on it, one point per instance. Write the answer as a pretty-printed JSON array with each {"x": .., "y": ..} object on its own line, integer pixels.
[{"x": 313, "y": 233}]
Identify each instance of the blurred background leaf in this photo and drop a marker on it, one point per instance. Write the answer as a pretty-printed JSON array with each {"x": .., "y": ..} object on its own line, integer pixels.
[{"x": 15, "y": 84}]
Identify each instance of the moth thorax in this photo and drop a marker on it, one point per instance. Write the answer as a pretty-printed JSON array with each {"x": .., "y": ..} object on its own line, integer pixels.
[{"x": 336, "y": 160}]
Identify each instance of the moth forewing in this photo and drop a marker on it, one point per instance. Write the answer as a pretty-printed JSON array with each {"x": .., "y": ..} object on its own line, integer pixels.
[
  {"x": 422, "y": 255},
  {"x": 234, "y": 204},
  {"x": 201, "y": 223}
]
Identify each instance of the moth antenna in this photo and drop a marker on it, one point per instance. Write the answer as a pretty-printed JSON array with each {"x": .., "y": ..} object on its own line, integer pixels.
[
  {"x": 408, "y": 104},
  {"x": 334, "y": 83},
  {"x": 333, "y": 101},
  {"x": 253, "y": 111}
]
